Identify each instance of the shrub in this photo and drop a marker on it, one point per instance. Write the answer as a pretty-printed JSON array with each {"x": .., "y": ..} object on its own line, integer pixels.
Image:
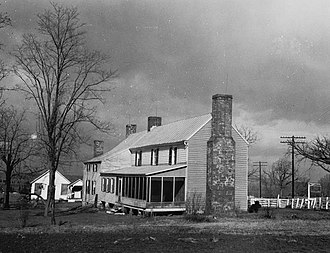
[
  {"x": 194, "y": 203},
  {"x": 197, "y": 218}
]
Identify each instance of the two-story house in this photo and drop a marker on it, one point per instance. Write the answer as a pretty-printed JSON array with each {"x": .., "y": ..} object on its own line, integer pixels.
[{"x": 201, "y": 159}]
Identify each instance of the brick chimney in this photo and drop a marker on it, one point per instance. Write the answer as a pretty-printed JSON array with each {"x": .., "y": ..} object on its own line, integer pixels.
[
  {"x": 130, "y": 129},
  {"x": 98, "y": 148},
  {"x": 154, "y": 121},
  {"x": 220, "y": 185}
]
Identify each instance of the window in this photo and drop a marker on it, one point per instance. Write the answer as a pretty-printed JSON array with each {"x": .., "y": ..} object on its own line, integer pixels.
[
  {"x": 87, "y": 186},
  {"x": 108, "y": 185},
  {"x": 95, "y": 167},
  {"x": 64, "y": 189},
  {"x": 138, "y": 158},
  {"x": 93, "y": 187},
  {"x": 152, "y": 157},
  {"x": 170, "y": 156},
  {"x": 88, "y": 167},
  {"x": 175, "y": 154},
  {"x": 38, "y": 188},
  {"x": 112, "y": 183},
  {"x": 103, "y": 184}
]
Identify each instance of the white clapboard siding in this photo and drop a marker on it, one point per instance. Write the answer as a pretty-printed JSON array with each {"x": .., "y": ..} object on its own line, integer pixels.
[
  {"x": 241, "y": 171},
  {"x": 197, "y": 155}
]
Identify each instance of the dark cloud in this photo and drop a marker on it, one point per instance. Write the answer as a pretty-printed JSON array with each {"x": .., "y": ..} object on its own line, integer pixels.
[{"x": 273, "y": 56}]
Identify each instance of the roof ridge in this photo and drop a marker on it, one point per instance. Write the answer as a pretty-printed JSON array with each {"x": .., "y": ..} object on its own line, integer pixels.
[{"x": 185, "y": 119}]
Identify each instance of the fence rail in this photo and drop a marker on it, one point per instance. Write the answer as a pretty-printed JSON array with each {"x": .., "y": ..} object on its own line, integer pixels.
[{"x": 322, "y": 203}]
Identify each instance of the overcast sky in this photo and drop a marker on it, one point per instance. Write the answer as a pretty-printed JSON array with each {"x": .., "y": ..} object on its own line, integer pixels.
[{"x": 172, "y": 56}]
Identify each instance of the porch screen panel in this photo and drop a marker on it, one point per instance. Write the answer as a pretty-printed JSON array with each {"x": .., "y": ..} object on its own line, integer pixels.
[
  {"x": 168, "y": 189},
  {"x": 140, "y": 187},
  {"x": 133, "y": 186},
  {"x": 144, "y": 188},
  {"x": 126, "y": 187},
  {"x": 179, "y": 193},
  {"x": 148, "y": 189},
  {"x": 156, "y": 188}
]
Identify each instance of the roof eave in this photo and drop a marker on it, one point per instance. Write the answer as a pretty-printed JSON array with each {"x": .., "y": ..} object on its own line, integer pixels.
[{"x": 158, "y": 145}]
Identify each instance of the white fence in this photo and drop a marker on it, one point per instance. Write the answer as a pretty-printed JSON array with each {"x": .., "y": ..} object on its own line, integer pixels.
[{"x": 296, "y": 203}]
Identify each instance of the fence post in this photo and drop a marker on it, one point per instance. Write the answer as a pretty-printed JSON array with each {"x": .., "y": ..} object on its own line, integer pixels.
[{"x": 327, "y": 203}]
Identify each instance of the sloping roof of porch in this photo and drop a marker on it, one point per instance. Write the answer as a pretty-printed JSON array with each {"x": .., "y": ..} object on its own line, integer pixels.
[{"x": 145, "y": 170}]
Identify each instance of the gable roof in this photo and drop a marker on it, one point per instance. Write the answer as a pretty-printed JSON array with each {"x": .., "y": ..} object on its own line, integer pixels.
[
  {"x": 70, "y": 178},
  {"x": 122, "y": 146},
  {"x": 178, "y": 131},
  {"x": 174, "y": 132}
]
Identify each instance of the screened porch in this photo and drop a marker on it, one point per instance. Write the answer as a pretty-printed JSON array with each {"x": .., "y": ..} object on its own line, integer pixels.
[{"x": 152, "y": 188}]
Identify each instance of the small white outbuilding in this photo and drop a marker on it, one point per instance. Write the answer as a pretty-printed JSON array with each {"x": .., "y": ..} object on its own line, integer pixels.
[{"x": 40, "y": 184}]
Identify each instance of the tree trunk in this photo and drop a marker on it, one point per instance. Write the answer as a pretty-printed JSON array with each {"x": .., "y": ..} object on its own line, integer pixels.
[
  {"x": 8, "y": 186},
  {"x": 50, "y": 205}
]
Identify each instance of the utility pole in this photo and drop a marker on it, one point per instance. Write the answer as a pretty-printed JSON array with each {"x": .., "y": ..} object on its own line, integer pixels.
[
  {"x": 291, "y": 140},
  {"x": 260, "y": 164}
]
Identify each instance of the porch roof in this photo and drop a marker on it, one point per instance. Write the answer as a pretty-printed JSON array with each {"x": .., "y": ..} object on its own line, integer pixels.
[{"x": 144, "y": 170}]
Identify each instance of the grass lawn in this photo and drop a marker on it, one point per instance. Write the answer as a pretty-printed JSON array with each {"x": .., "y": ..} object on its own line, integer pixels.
[{"x": 92, "y": 230}]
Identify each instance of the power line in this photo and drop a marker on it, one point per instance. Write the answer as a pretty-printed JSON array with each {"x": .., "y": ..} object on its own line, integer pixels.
[
  {"x": 291, "y": 140},
  {"x": 260, "y": 164}
]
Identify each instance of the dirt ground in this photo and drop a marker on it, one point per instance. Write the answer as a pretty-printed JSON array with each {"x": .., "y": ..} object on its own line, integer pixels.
[{"x": 97, "y": 231}]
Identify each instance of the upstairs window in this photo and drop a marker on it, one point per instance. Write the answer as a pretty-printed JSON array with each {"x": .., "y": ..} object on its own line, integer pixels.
[
  {"x": 95, "y": 167},
  {"x": 138, "y": 158},
  {"x": 172, "y": 155},
  {"x": 154, "y": 156},
  {"x": 175, "y": 155},
  {"x": 88, "y": 167}
]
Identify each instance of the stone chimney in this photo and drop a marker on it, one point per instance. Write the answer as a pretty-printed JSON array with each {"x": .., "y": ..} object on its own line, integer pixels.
[
  {"x": 98, "y": 148},
  {"x": 130, "y": 129},
  {"x": 154, "y": 121},
  {"x": 220, "y": 185}
]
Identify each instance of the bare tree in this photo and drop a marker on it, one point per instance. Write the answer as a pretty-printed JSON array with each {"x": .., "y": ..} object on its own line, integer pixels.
[
  {"x": 317, "y": 151},
  {"x": 63, "y": 78},
  {"x": 16, "y": 145},
  {"x": 4, "y": 21},
  {"x": 251, "y": 136},
  {"x": 279, "y": 177}
]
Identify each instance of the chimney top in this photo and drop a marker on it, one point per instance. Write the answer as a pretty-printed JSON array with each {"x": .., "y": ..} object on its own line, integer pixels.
[
  {"x": 221, "y": 115},
  {"x": 130, "y": 129},
  {"x": 222, "y": 96},
  {"x": 98, "y": 147},
  {"x": 154, "y": 121}
]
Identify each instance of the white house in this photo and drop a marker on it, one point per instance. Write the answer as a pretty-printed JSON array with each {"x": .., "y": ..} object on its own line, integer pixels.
[
  {"x": 167, "y": 167},
  {"x": 40, "y": 185}
]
